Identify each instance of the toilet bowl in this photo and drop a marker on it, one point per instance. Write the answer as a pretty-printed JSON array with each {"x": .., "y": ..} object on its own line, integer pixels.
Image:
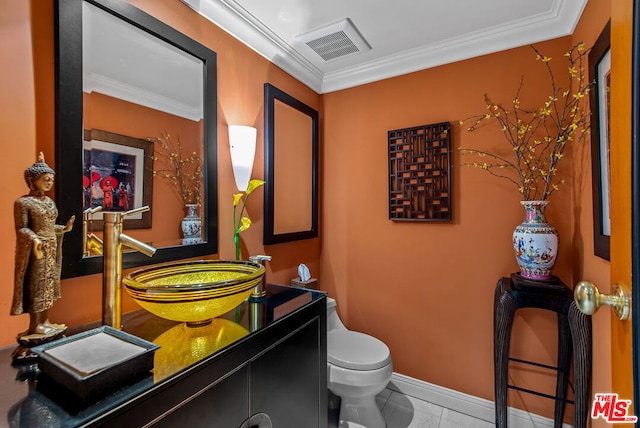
[{"x": 359, "y": 367}]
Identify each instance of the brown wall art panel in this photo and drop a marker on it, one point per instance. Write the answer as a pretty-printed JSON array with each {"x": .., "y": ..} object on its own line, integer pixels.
[{"x": 419, "y": 173}]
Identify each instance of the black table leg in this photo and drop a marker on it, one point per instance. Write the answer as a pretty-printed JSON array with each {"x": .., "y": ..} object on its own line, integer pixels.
[
  {"x": 574, "y": 337},
  {"x": 564, "y": 359},
  {"x": 504, "y": 309},
  {"x": 582, "y": 361}
]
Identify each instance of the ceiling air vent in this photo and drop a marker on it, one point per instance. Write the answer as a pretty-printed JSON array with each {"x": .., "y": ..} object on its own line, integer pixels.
[{"x": 335, "y": 40}]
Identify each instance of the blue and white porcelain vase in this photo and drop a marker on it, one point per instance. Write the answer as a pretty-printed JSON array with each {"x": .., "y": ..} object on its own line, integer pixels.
[
  {"x": 535, "y": 242},
  {"x": 191, "y": 225}
]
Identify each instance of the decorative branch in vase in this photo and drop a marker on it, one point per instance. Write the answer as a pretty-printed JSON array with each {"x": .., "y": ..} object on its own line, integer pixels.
[
  {"x": 185, "y": 175},
  {"x": 240, "y": 222},
  {"x": 538, "y": 138}
]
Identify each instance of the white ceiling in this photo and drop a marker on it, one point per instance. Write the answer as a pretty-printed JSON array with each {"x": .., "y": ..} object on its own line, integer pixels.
[
  {"x": 404, "y": 35},
  {"x": 127, "y": 63}
]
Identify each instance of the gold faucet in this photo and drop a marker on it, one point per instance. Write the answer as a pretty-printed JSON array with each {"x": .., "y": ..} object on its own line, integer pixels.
[
  {"x": 114, "y": 240},
  {"x": 260, "y": 290},
  {"x": 92, "y": 244}
]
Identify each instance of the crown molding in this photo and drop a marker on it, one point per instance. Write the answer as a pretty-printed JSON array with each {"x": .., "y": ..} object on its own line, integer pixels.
[
  {"x": 96, "y": 82},
  {"x": 560, "y": 21},
  {"x": 236, "y": 21}
]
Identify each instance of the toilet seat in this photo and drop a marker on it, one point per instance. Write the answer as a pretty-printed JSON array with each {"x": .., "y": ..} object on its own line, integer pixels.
[{"x": 356, "y": 351}]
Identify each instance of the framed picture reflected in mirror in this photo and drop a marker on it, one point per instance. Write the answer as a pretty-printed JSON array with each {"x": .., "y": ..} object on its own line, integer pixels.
[{"x": 117, "y": 176}]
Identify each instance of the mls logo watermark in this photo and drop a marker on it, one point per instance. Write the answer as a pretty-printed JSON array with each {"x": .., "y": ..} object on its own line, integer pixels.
[{"x": 612, "y": 409}]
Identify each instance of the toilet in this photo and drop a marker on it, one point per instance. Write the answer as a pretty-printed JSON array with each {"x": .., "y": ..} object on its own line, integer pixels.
[{"x": 358, "y": 367}]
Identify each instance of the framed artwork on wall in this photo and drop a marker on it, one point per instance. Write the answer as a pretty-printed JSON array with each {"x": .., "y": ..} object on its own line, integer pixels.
[
  {"x": 600, "y": 73},
  {"x": 420, "y": 173},
  {"x": 117, "y": 176}
]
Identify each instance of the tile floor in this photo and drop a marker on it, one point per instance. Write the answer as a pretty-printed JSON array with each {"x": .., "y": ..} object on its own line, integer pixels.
[{"x": 403, "y": 411}]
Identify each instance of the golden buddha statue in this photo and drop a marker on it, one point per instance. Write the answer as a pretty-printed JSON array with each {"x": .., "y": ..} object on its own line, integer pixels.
[{"x": 38, "y": 257}]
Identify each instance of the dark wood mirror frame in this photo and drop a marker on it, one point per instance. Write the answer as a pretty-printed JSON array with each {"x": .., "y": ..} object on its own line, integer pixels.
[
  {"x": 271, "y": 94},
  {"x": 600, "y": 164},
  {"x": 69, "y": 133}
]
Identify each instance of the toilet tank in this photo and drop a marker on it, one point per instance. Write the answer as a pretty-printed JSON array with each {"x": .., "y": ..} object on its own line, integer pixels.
[{"x": 333, "y": 320}]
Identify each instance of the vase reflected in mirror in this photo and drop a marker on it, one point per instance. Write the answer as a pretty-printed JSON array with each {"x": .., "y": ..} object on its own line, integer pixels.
[{"x": 191, "y": 226}]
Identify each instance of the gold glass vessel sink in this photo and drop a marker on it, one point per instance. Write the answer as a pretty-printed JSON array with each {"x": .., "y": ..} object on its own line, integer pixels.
[{"x": 194, "y": 292}]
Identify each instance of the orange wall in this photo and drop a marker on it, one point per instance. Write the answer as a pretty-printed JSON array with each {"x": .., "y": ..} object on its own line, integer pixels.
[
  {"x": 431, "y": 282},
  {"x": 426, "y": 289},
  {"x": 27, "y": 111},
  {"x": 18, "y": 143}
]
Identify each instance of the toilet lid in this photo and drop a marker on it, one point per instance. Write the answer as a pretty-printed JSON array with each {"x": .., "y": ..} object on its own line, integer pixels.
[{"x": 356, "y": 351}]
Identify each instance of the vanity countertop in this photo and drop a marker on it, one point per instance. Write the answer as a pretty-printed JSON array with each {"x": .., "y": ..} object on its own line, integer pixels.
[{"x": 22, "y": 399}]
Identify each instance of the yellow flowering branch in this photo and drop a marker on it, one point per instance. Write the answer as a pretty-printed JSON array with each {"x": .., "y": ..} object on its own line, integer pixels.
[
  {"x": 183, "y": 171},
  {"x": 242, "y": 223},
  {"x": 538, "y": 137}
]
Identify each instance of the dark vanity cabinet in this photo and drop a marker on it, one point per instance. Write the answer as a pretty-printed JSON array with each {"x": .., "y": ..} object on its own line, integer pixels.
[
  {"x": 281, "y": 382},
  {"x": 275, "y": 376},
  {"x": 223, "y": 403},
  {"x": 277, "y": 383}
]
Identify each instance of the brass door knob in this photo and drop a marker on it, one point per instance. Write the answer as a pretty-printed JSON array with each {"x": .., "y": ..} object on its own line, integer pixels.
[{"x": 588, "y": 298}]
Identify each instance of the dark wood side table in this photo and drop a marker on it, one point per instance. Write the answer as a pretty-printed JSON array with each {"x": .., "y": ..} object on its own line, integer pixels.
[{"x": 574, "y": 328}]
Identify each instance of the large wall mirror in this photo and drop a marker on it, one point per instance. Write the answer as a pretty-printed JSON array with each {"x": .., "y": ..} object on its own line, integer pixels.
[
  {"x": 131, "y": 94},
  {"x": 291, "y": 148}
]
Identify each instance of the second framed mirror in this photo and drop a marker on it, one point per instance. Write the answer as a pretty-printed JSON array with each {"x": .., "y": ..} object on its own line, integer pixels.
[{"x": 291, "y": 149}]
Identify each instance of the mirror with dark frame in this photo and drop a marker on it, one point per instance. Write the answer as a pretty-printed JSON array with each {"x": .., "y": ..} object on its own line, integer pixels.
[
  {"x": 114, "y": 128},
  {"x": 291, "y": 147}
]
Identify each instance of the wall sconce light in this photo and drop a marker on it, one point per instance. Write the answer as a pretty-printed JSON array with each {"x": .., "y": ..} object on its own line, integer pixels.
[{"x": 242, "y": 141}]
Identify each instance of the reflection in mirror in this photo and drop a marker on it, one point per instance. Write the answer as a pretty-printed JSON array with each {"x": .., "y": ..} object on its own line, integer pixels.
[
  {"x": 293, "y": 184},
  {"x": 291, "y": 144},
  {"x": 117, "y": 176},
  {"x": 137, "y": 88}
]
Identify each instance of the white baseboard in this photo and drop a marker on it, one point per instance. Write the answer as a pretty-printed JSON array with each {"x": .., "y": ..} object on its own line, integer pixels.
[{"x": 464, "y": 403}]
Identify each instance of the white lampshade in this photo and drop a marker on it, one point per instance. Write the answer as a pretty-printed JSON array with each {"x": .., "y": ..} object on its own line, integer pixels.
[{"x": 242, "y": 141}]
